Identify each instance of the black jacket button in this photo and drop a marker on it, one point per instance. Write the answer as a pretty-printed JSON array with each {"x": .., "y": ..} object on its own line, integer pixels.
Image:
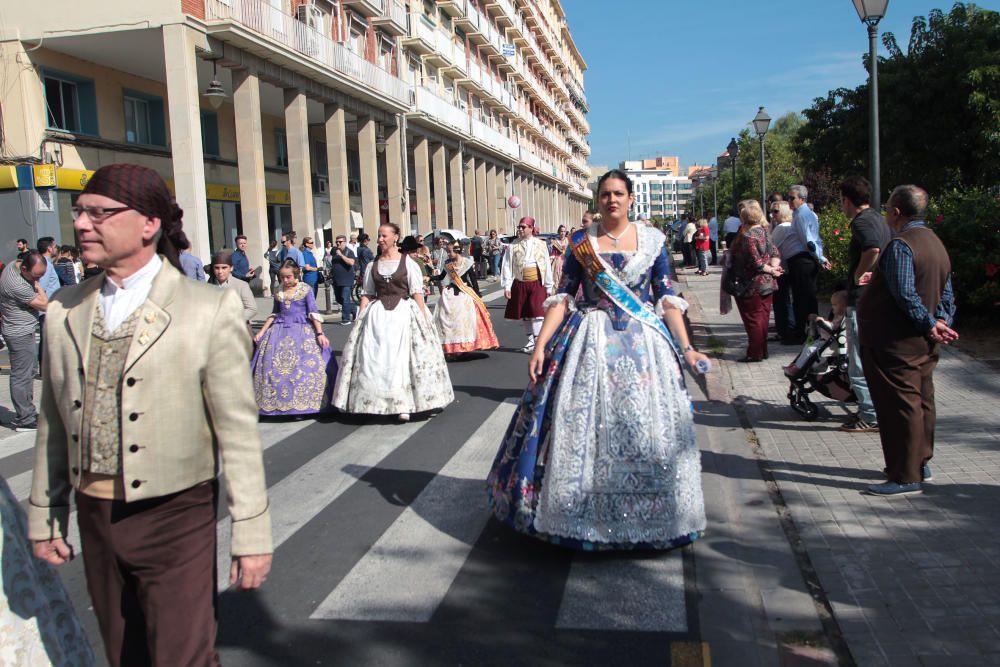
[
  {"x": 136, "y": 484},
  {"x": 76, "y": 471},
  {"x": 134, "y": 448},
  {"x": 134, "y": 416},
  {"x": 76, "y": 438},
  {"x": 77, "y": 404},
  {"x": 130, "y": 382}
]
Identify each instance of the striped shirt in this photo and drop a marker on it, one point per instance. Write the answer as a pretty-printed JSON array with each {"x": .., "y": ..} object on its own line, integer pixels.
[{"x": 17, "y": 317}]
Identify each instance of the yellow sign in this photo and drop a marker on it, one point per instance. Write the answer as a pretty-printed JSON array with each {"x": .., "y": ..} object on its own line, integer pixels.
[
  {"x": 8, "y": 177},
  {"x": 45, "y": 175},
  {"x": 72, "y": 179}
]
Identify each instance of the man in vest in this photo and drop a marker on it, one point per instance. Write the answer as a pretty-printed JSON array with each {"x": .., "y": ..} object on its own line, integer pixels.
[
  {"x": 903, "y": 316},
  {"x": 146, "y": 390},
  {"x": 526, "y": 278}
]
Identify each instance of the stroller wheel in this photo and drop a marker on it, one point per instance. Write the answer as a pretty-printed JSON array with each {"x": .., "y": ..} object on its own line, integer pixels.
[{"x": 800, "y": 402}]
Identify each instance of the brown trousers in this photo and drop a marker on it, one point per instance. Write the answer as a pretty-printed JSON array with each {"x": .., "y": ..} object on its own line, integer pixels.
[
  {"x": 902, "y": 389},
  {"x": 150, "y": 569}
]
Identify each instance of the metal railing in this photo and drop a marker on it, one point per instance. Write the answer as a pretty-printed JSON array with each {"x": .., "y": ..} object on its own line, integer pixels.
[
  {"x": 491, "y": 137},
  {"x": 442, "y": 110},
  {"x": 395, "y": 10},
  {"x": 271, "y": 22}
]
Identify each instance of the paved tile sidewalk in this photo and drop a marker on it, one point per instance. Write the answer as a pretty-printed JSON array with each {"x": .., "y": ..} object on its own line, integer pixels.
[{"x": 911, "y": 581}]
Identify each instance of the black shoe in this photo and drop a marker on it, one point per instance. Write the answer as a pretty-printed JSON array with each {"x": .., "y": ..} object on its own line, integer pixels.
[{"x": 27, "y": 428}]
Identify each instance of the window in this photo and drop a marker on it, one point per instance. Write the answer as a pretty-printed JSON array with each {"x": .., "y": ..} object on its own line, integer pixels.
[
  {"x": 280, "y": 147},
  {"x": 70, "y": 103},
  {"x": 210, "y": 133},
  {"x": 144, "y": 122}
]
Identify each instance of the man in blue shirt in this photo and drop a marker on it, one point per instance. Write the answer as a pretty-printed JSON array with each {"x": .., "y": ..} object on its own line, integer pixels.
[
  {"x": 803, "y": 266},
  {"x": 49, "y": 250},
  {"x": 289, "y": 251},
  {"x": 241, "y": 263},
  {"x": 903, "y": 315}
]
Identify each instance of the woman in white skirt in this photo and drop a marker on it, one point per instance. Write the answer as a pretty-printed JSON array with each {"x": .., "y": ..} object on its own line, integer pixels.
[{"x": 392, "y": 363}]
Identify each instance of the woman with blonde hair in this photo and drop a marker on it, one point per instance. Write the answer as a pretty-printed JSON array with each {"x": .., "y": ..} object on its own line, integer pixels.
[{"x": 751, "y": 277}]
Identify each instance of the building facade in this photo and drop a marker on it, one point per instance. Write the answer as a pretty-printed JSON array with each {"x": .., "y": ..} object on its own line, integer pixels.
[
  {"x": 315, "y": 116},
  {"x": 659, "y": 193}
]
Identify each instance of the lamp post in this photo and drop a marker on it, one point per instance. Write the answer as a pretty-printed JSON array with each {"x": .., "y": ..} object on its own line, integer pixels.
[
  {"x": 714, "y": 175},
  {"x": 761, "y": 123},
  {"x": 871, "y": 12},
  {"x": 734, "y": 149}
]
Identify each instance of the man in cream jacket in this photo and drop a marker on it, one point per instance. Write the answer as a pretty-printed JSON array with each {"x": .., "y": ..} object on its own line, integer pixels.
[{"x": 146, "y": 387}]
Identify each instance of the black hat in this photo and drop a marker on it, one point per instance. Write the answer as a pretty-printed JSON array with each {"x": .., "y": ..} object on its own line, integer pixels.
[
  {"x": 223, "y": 257},
  {"x": 409, "y": 244}
]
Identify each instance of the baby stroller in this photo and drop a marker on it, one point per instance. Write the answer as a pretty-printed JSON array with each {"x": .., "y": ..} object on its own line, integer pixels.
[{"x": 825, "y": 371}]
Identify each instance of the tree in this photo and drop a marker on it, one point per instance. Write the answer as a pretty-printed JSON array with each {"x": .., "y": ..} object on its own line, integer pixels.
[{"x": 939, "y": 106}]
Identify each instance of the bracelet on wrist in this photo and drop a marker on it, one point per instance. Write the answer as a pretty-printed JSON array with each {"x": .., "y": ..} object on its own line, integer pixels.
[{"x": 689, "y": 348}]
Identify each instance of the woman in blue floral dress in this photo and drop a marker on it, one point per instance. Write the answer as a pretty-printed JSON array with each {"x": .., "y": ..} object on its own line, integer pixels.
[{"x": 601, "y": 453}]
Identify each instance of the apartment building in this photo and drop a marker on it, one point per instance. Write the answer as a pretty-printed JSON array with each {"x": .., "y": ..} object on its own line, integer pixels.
[
  {"x": 318, "y": 116},
  {"x": 659, "y": 192}
]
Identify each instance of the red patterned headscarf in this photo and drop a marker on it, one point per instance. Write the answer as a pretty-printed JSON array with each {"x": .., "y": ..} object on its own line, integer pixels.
[{"x": 145, "y": 191}]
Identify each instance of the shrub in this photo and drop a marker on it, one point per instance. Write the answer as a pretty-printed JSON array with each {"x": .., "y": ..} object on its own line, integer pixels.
[
  {"x": 835, "y": 230},
  {"x": 968, "y": 223}
]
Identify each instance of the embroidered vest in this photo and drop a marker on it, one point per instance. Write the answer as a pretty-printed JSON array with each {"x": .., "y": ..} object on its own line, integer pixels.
[
  {"x": 102, "y": 395},
  {"x": 396, "y": 288},
  {"x": 519, "y": 252}
]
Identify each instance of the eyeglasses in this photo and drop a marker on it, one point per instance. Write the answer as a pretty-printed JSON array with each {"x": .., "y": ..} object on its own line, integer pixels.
[
  {"x": 522, "y": 227},
  {"x": 98, "y": 213}
]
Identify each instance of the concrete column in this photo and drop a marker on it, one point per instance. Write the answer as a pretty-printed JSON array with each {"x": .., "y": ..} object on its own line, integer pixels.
[
  {"x": 439, "y": 161},
  {"x": 184, "y": 116},
  {"x": 336, "y": 160},
  {"x": 457, "y": 197},
  {"x": 369, "y": 174},
  {"x": 299, "y": 168},
  {"x": 422, "y": 172},
  {"x": 482, "y": 196},
  {"x": 399, "y": 213},
  {"x": 469, "y": 178},
  {"x": 492, "y": 196},
  {"x": 250, "y": 165}
]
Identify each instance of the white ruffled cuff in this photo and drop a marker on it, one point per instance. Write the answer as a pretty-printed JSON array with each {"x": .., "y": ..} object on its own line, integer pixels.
[
  {"x": 316, "y": 317},
  {"x": 568, "y": 299},
  {"x": 675, "y": 301}
]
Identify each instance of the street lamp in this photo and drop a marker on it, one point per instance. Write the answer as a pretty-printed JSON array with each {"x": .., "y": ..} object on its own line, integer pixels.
[
  {"x": 871, "y": 12},
  {"x": 761, "y": 122},
  {"x": 733, "y": 149}
]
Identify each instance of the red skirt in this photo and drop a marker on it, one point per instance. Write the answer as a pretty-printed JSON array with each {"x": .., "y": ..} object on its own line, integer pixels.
[{"x": 526, "y": 301}]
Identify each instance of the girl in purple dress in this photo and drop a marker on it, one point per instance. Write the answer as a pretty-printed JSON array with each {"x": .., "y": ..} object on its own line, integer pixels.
[{"x": 293, "y": 366}]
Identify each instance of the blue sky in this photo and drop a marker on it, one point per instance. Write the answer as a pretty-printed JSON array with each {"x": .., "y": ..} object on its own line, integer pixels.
[{"x": 680, "y": 77}]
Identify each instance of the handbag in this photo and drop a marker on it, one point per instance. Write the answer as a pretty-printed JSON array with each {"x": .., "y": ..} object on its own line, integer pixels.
[{"x": 736, "y": 285}]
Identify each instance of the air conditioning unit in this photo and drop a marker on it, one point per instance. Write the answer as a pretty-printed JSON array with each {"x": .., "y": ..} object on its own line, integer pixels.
[
  {"x": 449, "y": 91},
  {"x": 463, "y": 105},
  {"x": 321, "y": 185}
]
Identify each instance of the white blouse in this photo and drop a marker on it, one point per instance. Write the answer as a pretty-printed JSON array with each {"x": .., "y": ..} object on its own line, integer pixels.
[{"x": 385, "y": 268}]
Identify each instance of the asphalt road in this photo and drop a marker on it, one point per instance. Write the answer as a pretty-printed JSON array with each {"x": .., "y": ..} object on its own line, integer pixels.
[{"x": 386, "y": 553}]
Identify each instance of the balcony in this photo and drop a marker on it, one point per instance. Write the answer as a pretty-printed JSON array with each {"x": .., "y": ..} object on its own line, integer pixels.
[
  {"x": 494, "y": 140},
  {"x": 420, "y": 37},
  {"x": 368, "y": 8},
  {"x": 393, "y": 18},
  {"x": 257, "y": 25},
  {"x": 448, "y": 55},
  {"x": 454, "y": 8},
  {"x": 441, "y": 111}
]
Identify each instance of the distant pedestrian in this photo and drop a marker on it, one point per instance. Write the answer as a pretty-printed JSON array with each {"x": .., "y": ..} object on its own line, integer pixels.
[
  {"x": 193, "y": 267},
  {"x": 289, "y": 251},
  {"x": 342, "y": 272},
  {"x": 50, "y": 251},
  {"x": 22, "y": 247},
  {"x": 903, "y": 315},
  {"x": 701, "y": 246},
  {"x": 783, "y": 237},
  {"x": 223, "y": 275},
  {"x": 805, "y": 262},
  {"x": 271, "y": 256},
  {"x": 66, "y": 267},
  {"x": 493, "y": 249},
  {"x": 22, "y": 299},
  {"x": 242, "y": 269},
  {"x": 869, "y": 234},
  {"x": 750, "y": 260},
  {"x": 713, "y": 238},
  {"x": 687, "y": 243},
  {"x": 730, "y": 228},
  {"x": 310, "y": 266}
]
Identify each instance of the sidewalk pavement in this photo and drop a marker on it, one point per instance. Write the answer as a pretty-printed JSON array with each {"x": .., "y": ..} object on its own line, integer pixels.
[{"x": 909, "y": 581}]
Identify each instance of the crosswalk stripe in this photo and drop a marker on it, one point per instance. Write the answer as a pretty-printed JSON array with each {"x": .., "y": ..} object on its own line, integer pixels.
[
  {"x": 16, "y": 444},
  {"x": 301, "y": 495},
  {"x": 408, "y": 571},
  {"x": 637, "y": 592}
]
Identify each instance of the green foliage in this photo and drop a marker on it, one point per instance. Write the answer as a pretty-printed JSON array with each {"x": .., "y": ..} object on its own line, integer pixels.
[
  {"x": 968, "y": 223},
  {"x": 939, "y": 106},
  {"x": 835, "y": 230}
]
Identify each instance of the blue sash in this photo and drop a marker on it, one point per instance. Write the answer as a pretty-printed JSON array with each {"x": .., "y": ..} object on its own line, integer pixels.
[{"x": 615, "y": 289}]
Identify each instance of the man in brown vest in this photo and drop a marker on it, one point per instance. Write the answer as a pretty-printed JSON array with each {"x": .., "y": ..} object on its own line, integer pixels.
[{"x": 902, "y": 317}]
